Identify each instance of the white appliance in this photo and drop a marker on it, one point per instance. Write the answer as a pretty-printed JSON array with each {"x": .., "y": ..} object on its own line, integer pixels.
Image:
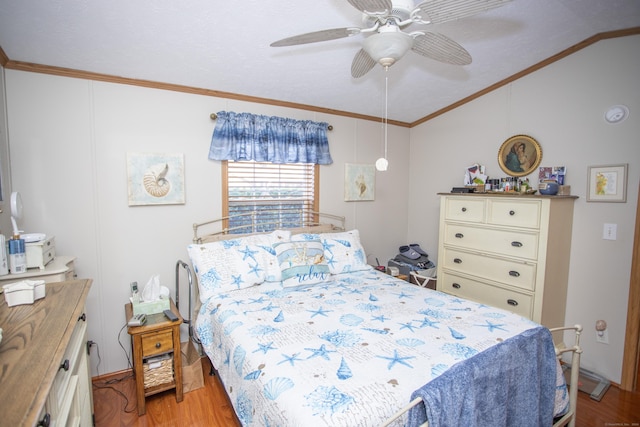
[{"x": 4, "y": 263}]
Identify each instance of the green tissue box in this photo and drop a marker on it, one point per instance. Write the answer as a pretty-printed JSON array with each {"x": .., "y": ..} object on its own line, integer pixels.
[{"x": 151, "y": 307}]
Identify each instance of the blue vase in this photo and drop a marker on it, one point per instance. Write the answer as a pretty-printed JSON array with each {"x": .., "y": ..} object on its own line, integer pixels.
[{"x": 548, "y": 188}]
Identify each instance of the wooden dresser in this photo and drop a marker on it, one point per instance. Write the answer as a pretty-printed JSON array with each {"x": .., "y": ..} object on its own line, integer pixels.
[
  {"x": 510, "y": 252},
  {"x": 44, "y": 366}
]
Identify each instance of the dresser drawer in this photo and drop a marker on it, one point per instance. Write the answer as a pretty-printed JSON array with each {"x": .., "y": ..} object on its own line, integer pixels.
[
  {"x": 524, "y": 213},
  {"x": 41, "y": 253},
  {"x": 486, "y": 294},
  {"x": 501, "y": 242},
  {"x": 157, "y": 343},
  {"x": 68, "y": 367},
  {"x": 509, "y": 272},
  {"x": 465, "y": 209}
]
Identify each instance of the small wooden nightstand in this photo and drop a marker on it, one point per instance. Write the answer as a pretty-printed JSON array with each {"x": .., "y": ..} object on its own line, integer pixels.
[{"x": 157, "y": 336}]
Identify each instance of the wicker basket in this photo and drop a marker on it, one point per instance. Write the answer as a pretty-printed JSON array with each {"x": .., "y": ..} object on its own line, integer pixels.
[{"x": 159, "y": 375}]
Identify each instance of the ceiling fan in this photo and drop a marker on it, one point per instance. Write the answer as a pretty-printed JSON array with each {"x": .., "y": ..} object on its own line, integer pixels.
[{"x": 385, "y": 21}]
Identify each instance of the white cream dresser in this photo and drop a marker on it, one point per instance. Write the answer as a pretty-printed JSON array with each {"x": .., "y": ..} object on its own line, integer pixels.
[
  {"x": 60, "y": 269},
  {"x": 510, "y": 252}
]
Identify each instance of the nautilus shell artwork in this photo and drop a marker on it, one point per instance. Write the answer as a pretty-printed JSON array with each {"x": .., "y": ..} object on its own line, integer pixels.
[
  {"x": 155, "y": 179},
  {"x": 155, "y": 182}
]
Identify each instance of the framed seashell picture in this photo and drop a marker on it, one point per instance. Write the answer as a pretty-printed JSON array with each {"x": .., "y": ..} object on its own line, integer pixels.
[{"x": 155, "y": 179}]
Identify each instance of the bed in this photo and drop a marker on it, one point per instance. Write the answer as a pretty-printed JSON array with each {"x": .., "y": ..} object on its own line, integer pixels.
[{"x": 301, "y": 331}]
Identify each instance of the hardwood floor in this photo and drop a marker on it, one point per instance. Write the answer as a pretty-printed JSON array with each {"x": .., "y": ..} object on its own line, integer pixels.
[{"x": 115, "y": 406}]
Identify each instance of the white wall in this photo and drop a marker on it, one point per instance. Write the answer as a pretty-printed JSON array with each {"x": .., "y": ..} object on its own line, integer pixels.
[
  {"x": 5, "y": 175},
  {"x": 562, "y": 107},
  {"x": 69, "y": 139}
]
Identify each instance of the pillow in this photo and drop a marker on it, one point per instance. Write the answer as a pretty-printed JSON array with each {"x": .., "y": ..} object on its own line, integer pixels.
[
  {"x": 344, "y": 252},
  {"x": 225, "y": 266},
  {"x": 305, "y": 237},
  {"x": 301, "y": 263},
  {"x": 268, "y": 255},
  {"x": 237, "y": 263}
]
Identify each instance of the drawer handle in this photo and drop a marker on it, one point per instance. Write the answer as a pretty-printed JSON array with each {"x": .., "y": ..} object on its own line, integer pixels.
[
  {"x": 456, "y": 285},
  {"x": 83, "y": 317},
  {"x": 514, "y": 273},
  {"x": 464, "y": 209},
  {"x": 457, "y": 260},
  {"x": 64, "y": 365},
  {"x": 46, "y": 420},
  {"x": 516, "y": 244},
  {"x": 459, "y": 235},
  {"x": 158, "y": 345},
  {"x": 512, "y": 302},
  {"x": 512, "y": 213},
  {"x": 48, "y": 243}
]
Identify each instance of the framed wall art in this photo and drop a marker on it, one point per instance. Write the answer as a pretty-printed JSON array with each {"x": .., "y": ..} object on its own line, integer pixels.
[
  {"x": 607, "y": 183},
  {"x": 519, "y": 155},
  {"x": 359, "y": 182},
  {"x": 155, "y": 179}
]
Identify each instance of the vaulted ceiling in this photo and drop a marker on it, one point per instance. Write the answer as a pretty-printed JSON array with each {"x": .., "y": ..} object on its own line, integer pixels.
[{"x": 223, "y": 46}]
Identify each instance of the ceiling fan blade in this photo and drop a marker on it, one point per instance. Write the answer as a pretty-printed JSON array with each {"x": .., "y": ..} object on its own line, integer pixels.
[
  {"x": 372, "y": 5},
  {"x": 439, "y": 11},
  {"x": 441, "y": 48},
  {"x": 362, "y": 64},
  {"x": 316, "y": 36}
]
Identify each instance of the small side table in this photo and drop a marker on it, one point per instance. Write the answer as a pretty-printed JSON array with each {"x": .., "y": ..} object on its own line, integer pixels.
[{"x": 157, "y": 336}]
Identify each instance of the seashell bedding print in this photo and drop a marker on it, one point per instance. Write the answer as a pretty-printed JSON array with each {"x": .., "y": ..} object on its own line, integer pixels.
[
  {"x": 155, "y": 178},
  {"x": 348, "y": 351}
]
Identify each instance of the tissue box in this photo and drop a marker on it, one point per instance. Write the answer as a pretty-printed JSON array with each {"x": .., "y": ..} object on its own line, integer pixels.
[{"x": 151, "y": 307}]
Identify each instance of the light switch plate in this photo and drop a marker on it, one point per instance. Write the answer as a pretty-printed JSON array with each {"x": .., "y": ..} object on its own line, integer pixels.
[{"x": 610, "y": 231}]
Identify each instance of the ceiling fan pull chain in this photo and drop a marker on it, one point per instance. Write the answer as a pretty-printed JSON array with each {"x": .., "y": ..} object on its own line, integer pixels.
[{"x": 386, "y": 108}]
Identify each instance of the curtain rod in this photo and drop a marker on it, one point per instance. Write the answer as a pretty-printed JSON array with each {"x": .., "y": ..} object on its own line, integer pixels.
[{"x": 214, "y": 116}]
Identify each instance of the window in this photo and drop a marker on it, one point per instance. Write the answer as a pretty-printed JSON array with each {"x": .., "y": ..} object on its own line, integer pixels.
[{"x": 268, "y": 196}]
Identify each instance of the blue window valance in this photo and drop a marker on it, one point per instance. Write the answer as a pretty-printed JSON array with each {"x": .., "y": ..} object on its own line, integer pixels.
[{"x": 245, "y": 136}]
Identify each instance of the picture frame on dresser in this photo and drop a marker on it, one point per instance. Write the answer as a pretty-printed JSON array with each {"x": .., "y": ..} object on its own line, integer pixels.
[{"x": 607, "y": 183}]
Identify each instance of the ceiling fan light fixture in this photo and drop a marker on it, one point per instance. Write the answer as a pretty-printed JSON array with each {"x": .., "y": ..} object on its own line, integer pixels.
[{"x": 387, "y": 47}]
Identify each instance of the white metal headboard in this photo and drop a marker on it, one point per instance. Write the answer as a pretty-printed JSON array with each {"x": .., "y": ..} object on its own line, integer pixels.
[{"x": 215, "y": 230}]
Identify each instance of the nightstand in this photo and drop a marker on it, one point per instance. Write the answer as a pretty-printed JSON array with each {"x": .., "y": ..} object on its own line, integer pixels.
[{"x": 157, "y": 361}]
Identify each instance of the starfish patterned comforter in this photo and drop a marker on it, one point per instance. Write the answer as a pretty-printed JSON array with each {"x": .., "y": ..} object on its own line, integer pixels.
[{"x": 349, "y": 351}]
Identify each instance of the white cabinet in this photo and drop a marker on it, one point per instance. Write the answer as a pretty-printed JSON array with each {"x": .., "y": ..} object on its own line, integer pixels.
[
  {"x": 510, "y": 252},
  {"x": 60, "y": 269},
  {"x": 46, "y": 379}
]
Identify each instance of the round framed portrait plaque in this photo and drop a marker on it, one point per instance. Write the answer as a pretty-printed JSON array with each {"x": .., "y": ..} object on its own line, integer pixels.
[{"x": 519, "y": 155}]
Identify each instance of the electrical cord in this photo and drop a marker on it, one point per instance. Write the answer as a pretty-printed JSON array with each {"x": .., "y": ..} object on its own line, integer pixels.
[
  {"x": 108, "y": 384},
  {"x": 123, "y": 349}
]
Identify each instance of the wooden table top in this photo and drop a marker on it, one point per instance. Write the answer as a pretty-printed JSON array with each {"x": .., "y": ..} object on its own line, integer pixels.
[{"x": 34, "y": 339}]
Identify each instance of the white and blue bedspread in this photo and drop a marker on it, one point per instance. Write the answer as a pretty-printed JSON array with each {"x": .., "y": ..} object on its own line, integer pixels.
[{"x": 346, "y": 352}]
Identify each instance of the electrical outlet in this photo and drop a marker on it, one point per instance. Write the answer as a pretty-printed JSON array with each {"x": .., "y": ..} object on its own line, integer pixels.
[
  {"x": 610, "y": 231},
  {"x": 602, "y": 336}
]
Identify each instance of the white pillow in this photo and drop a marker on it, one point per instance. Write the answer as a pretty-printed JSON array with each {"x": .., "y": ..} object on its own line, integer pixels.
[
  {"x": 302, "y": 263},
  {"x": 236, "y": 264},
  {"x": 344, "y": 252}
]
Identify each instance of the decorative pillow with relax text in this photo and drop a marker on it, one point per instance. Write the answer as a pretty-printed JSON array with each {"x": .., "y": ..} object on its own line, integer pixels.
[
  {"x": 344, "y": 252},
  {"x": 302, "y": 263}
]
